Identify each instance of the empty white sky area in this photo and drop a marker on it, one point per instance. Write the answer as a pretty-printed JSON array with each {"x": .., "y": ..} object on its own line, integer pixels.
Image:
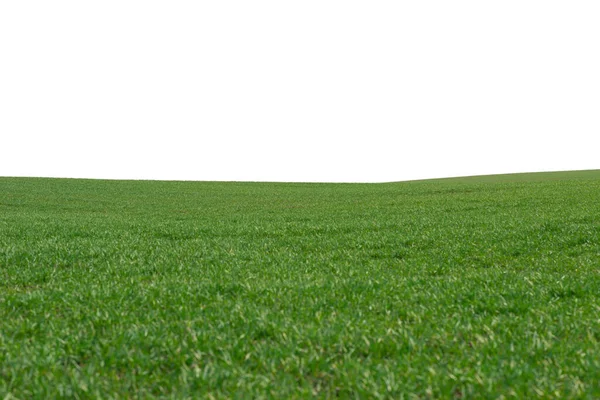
[{"x": 311, "y": 90}]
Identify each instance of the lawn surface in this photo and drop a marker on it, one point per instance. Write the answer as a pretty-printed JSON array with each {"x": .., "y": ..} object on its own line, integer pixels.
[{"x": 455, "y": 288}]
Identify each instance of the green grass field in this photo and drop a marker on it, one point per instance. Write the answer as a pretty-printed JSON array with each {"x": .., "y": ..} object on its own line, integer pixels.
[{"x": 483, "y": 287}]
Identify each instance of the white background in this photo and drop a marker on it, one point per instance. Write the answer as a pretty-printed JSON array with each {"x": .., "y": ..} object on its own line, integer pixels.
[{"x": 311, "y": 90}]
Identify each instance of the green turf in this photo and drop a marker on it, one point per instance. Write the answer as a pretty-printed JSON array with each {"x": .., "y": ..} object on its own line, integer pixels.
[{"x": 456, "y": 288}]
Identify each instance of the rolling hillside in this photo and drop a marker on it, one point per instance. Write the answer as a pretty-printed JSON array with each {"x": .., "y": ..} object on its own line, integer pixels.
[{"x": 474, "y": 287}]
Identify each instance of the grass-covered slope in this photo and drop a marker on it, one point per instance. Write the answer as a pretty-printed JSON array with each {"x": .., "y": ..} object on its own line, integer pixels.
[{"x": 470, "y": 287}]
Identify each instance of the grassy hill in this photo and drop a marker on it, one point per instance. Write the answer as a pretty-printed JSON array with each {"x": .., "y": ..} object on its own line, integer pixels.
[{"x": 475, "y": 287}]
